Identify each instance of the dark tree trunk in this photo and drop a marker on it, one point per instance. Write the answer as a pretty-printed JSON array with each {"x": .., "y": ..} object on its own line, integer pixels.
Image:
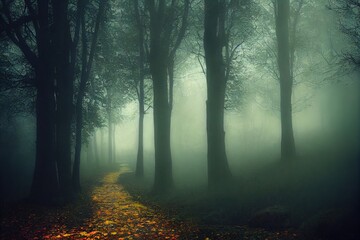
[
  {"x": 79, "y": 106},
  {"x": 158, "y": 66},
  {"x": 163, "y": 162},
  {"x": 161, "y": 40},
  {"x": 282, "y": 9},
  {"x": 45, "y": 180},
  {"x": 78, "y": 141},
  {"x": 141, "y": 96},
  {"x": 64, "y": 84},
  {"x": 218, "y": 169}
]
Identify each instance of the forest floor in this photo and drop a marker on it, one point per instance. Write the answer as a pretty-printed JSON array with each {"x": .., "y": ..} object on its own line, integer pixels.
[{"x": 106, "y": 210}]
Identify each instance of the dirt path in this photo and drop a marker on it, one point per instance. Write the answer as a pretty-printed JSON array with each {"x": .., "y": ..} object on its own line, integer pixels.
[
  {"x": 109, "y": 212},
  {"x": 118, "y": 216}
]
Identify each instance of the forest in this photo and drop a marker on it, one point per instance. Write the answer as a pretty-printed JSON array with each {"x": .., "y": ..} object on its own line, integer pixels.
[{"x": 169, "y": 119}]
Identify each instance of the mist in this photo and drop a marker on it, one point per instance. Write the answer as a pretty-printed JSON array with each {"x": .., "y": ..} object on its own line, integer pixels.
[{"x": 183, "y": 120}]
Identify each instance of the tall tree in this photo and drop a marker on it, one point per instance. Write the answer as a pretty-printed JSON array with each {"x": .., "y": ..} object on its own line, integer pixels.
[
  {"x": 45, "y": 184},
  {"x": 47, "y": 38},
  {"x": 64, "y": 90},
  {"x": 140, "y": 90},
  {"x": 214, "y": 41},
  {"x": 87, "y": 57},
  {"x": 167, "y": 25},
  {"x": 282, "y": 16}
]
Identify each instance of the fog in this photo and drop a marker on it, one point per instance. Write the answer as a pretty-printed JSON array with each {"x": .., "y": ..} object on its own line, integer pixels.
[
  {"x": 326, "y": 133},
  {"x": 329, "y": 125},
  {"x": 285, "y": 98}
]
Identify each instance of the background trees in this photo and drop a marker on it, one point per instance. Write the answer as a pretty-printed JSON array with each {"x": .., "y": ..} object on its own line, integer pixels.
[{"x": 349, "y": 17}]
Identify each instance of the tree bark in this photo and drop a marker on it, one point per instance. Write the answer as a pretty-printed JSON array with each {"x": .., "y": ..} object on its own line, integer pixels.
[
  {"x": 161, "y": 39},
  {"x": 44, "y": 186},
  {"x": 139, "y": 172},
  {"x": 64, "y": 85},
  {"x": 282, "y": 10},
  {"x": 163, "y": 161},
  {"x": 45, "y": 182},
  {"x": 158, "y": 56},
  {"x": 218, "y": 169}
]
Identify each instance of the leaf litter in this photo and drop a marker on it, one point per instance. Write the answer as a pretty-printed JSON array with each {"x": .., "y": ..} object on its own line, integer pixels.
[{"x": 108, "y": 211}]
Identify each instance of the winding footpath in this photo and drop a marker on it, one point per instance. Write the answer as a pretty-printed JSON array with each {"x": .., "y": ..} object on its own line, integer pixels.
[
  {"x": 108, "y": 211},
  {"x": 118, "y": 216}
]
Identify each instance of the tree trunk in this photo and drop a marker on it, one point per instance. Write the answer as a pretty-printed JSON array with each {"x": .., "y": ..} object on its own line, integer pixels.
[
  {"x": 110, "y": 138},
  {"x": 64, "y": 83},
  {"x": 163, "y": 46},
  {"x": 140, "y": 153},
  {"x": 78, "y": 141},
  {"x": 218, "y": 169},
  {"x": 114, "y": 142},
  {"x": 95, "y": 147},
  {"x": 102, "y": 143},
  {"x": 45, "y": 180},
  {"x": 89, "y": 154},
  {"x": 79, "y": 105},
  {"x": 163, "y": 162},
  {"x": 282, "y": 10},
  {"x": 158, "y": 67},
  {"x": 170, "y": 70}
]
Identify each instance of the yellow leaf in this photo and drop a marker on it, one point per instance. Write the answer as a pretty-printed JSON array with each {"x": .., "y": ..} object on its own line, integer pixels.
[
  {"x": 113, "y": 233},
  {"x": 107, "y": 222}
]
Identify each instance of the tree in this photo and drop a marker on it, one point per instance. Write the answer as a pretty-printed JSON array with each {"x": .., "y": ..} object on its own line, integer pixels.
[
  {"x": 140, "y": 88},
  {"x": 48, "y": 40},
  {"x": 167, "y": 29},
  {"x": 282, "y": 15},
  {"x": 214, "y": 41},
  {"x": 86, "y": 67},
  {"x": 45, "y": 184}
]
